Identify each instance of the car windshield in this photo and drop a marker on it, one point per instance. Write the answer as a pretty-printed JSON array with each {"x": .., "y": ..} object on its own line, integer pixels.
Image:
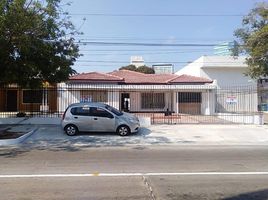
[{"x": 114, "y": 110}]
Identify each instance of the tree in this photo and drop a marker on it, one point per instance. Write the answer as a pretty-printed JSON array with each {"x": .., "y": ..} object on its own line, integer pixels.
[
  {"x": 253, "y": 39},
  {"x": 37, "y": 43},
  {"x": 146, "y": 70},
  {"x": 129, "y": 67},
  {"x": 142, "y": 69}
]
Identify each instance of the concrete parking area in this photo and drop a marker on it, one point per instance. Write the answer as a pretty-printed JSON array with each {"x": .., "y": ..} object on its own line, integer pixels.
[
  {"x": 54, "y": 136},
  {"x": 48, "y": 132}
]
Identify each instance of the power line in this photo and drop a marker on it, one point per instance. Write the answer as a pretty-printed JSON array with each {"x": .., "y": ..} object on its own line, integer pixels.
[
  {"x": 138, "y": 50},
  {"x": 151, "y": 62},
  {"x": 151, "y": 39},
  {"x": 147, "y": 44},
  {"x": 155, "y": 53},
  {"x": 154, "y": 15}
]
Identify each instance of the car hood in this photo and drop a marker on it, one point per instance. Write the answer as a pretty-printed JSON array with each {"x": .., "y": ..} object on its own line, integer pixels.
[{"x": 129, "y": 116}]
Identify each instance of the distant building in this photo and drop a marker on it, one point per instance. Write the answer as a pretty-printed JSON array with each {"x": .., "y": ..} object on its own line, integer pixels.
[
  {"x": 225, "y": 49},
  {"x": 163, "y": 68},
  {"x": 137, "y": 61}
]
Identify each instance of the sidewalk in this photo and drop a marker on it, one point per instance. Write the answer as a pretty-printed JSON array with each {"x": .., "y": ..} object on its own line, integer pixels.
[{"x": 52, "y": 135}]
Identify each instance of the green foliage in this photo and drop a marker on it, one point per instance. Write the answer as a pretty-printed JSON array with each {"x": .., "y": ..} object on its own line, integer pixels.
[
  {"x": 129, "y": 67},
  {"x": 142, "y": 69},
  {"x": 254, "y": 40},
  {"x": 37, "y": 43},
  {"x": 145, "y": 70}
]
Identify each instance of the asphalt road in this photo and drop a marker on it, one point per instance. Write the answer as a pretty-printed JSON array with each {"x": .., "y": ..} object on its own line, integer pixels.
[{"x": 173, "y": 172}]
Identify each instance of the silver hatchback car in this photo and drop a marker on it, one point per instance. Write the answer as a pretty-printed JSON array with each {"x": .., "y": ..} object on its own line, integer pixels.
[{"x": 98, "y": 117}]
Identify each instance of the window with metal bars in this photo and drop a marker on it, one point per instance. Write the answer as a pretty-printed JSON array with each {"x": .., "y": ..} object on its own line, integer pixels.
[
  {"x": 189, "y": 97},
  {"x": 152, "y": 100}
]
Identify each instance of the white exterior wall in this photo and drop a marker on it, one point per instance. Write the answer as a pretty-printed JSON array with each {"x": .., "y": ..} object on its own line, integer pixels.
[
  {"x": 244, "y": 102},
  {"x": 208, "y": 103},
  {"x": 65, "y": 98},
  {"x": 114, "y": 99},
  {"x": 227, "y": 70},
  {"x": 192, "y": 69},
  {"x": 227, "y": 77},
  {"x": 175, "y": 102},
  {"x": 229, "y": 73}
]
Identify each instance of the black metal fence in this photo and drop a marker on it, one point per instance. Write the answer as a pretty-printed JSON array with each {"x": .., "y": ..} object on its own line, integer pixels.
[{"x": 159, "y": 104}]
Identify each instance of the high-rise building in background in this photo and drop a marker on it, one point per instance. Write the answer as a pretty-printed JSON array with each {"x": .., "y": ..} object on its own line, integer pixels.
[
  {"x": 137, "y": 61},
  {"x": 163, "y": 68}
]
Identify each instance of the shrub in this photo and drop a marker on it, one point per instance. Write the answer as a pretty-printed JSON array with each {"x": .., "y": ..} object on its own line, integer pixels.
[{"x": 21, "y": 114}]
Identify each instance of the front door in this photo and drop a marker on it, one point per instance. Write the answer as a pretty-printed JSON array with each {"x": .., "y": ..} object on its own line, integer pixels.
[
  {"x": 125, "y": 101},
  {"x": 11, "y": 100}
]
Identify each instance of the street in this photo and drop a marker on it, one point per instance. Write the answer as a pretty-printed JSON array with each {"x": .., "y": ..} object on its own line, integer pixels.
[{"x": 138, "y": 172}]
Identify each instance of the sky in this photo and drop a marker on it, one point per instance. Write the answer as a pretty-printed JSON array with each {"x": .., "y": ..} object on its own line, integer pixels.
[{"x": 157, "y": 22}]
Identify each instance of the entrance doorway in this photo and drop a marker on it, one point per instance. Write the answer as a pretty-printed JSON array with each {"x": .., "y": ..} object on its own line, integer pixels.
[
  {"x": 125, "y": 102},
  {"x": 12, "y": 100},
  {"x": 190, "y": 102}
]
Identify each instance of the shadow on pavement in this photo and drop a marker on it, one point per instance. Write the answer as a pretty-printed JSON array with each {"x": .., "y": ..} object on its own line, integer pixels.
[
  {"x": 257, "y": 195},
  {"x": 82, "y": 141}
]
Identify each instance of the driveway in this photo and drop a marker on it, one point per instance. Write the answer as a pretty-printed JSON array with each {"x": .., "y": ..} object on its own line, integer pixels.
[{"x": 53, "y": 136}]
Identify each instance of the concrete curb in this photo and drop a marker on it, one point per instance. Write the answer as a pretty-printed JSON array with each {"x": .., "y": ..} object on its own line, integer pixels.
[
  {"x": 12, "y": 121},
  {"x": 18, "y": 140}
]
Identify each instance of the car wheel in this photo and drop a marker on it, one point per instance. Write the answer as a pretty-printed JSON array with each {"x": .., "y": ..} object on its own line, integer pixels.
[
  {"x": 71, "y": 130},
  {"x": 123, "y": 130}
]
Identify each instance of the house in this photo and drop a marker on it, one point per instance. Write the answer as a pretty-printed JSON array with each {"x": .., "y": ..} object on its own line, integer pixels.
[
  {"x": 236, "y": 92},
  {"x": 15, "y": 99},
  {"x": 141, "y": 93},
  {"x": 228, "y": 71},
  {"x": 162, "y": 98}
]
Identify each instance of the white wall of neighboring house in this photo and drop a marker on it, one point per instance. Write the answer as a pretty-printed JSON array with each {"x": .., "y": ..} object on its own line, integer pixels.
[
  {"x": 227, "y": 77},
  {"x": 228, "y": 73},
  {"x": 193, "y": 68},
  {"x": 208, "y": 102},
  {"x": 227, "y": 70}
]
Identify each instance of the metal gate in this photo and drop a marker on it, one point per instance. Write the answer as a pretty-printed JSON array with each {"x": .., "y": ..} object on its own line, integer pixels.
[{"x": 159, "y": 105}]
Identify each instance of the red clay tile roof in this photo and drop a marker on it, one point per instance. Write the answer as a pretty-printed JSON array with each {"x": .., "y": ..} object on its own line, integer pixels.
[
  {"x": 96, "y": 77},
  {"x": 189, "y": 79},
  {"x": 131, "y": 77}
]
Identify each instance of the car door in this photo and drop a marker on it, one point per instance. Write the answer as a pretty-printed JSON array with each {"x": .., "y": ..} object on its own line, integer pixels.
[
  {"x": 81, "y": 118},
  {"x": 102, "y": 120}
]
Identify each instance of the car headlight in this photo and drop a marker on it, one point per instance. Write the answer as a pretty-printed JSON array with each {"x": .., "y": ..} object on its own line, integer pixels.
[{"x": 133, "y": 121}]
